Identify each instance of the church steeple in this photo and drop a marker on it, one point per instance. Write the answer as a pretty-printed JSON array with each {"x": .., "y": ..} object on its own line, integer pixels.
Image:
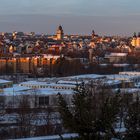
[
  {"x": 93, "y": 34},
  {"x": 136, "y": 40},
  {"x": 134, "y": 35},
  {"x": 60, "y": 27},
  {"x": 59, "y": 33}
]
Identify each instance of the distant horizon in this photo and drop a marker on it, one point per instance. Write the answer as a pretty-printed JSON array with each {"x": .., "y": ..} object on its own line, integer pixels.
[{"x": 119, "y": 18}]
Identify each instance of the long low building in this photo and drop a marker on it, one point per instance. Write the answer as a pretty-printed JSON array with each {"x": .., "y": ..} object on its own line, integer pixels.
[
  {"x": 43, "y": 85},
  {"x": 45, "y": 91},
  {"x": 38, "y": 97}
]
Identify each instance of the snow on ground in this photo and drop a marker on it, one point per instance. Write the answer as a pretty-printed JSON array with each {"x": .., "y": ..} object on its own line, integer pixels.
[{"x": 54, "y": 137}]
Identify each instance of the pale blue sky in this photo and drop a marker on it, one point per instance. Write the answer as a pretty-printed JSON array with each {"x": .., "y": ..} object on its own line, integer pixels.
[{"x": 76, "y": 16}]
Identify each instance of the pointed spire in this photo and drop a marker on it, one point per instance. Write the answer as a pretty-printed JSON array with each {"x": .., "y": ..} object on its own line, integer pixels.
[
  {"x": 135, "y": 35},
  {"x": 60, "y": 27},
  {"x": 93, "y": 32}
]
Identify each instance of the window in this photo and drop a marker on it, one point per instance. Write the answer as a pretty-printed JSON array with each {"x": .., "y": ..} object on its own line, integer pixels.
[
  {"x": 4, "y": 86},
  {"x": 43, "y": 101}
]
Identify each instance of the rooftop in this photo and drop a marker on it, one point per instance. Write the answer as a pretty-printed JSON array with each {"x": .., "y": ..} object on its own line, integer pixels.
[{"x": 4, "y": 81}]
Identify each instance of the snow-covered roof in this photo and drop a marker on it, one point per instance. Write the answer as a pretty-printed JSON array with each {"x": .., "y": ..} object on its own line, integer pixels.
[
  {"x": 15, "y": 90},
  {"x": 45, "y": 83},
  {"x": 85, "y": 76},
  {"x": 112, "y": 82},
  {"x": 4, "y": 81},
  {"x": 69, "y": 79},
  {"x": 21, "y": 90},
  {"x": 69, "y": 82},
  {"x": 130, "y": 73},
  {"x": 121, "y": 76}
]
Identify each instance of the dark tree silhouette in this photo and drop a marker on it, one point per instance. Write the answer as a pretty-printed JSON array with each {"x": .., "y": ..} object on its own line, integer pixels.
[
  {"x": 132, "y": 121},
  {"x": 91, "y": 115}
]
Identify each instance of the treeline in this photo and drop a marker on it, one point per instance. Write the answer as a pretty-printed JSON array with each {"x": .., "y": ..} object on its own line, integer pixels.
[{"x": 65, "y": 67}]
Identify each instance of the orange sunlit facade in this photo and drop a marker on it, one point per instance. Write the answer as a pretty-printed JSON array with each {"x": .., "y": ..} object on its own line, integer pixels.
[{"x": 24, "y": 64}]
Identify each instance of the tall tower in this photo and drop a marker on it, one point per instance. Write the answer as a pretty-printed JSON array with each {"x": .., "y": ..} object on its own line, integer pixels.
[
  {"x": 93, "y": 34},
  {"x": 134, "y": 40},
  {"x": 59, "y": 33},
  {"x": 138, "y": 40}
]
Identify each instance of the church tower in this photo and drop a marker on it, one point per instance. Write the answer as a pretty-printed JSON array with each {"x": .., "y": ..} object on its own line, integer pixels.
[
  {"x": 134, "y": 40},
  {"x": 59, "y": 33},
  {"x": 93, "y": 34},
  {"x": 138, "y": 40}
]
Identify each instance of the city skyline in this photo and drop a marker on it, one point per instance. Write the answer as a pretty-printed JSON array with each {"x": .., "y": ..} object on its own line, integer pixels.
[{"x": 77, "y": 16}]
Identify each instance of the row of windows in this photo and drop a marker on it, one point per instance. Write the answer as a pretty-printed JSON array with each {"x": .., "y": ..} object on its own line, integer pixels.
[
  {"x": 43, "y": 101},
  {"x": 43, "y": 86}
]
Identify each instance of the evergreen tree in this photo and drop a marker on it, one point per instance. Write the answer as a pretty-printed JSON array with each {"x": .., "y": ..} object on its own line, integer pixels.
[
  {"x": 83, "y": 112},
  {"x": 132, "y": 120},
  {"x": 91, "y": 116},
  {"x": 66, "y": 115}
]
